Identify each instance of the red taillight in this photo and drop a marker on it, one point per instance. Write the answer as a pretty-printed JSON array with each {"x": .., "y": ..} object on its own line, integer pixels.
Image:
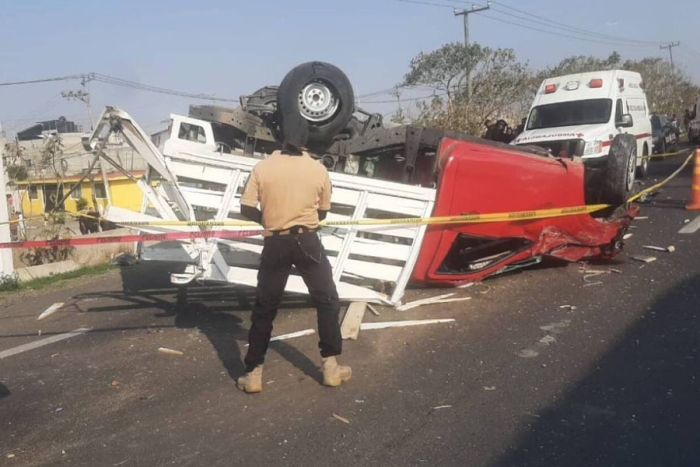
[
  {"x": 596, "y": 83},
  {"x": 550, "y": 88}
]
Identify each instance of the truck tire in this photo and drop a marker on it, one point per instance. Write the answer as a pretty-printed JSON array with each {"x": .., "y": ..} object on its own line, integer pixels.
[
  {"x": 643, "y": 169},
  {"x": 621, "y": 166},
  {"x": 319, "y": 95}
]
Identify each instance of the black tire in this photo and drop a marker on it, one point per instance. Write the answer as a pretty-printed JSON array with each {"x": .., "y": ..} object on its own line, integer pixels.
[
  {"x": 620, "y": 169},
  {"x": 290, "y": 105},
  {"x": 643, "y": 170}
]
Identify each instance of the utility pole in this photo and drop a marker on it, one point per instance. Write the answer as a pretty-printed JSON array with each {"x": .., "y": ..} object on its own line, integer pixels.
[
  {"x": 464, "y": 13},
  {"x": 670, "y": 53},
  {"x": 80, "y": 96}
]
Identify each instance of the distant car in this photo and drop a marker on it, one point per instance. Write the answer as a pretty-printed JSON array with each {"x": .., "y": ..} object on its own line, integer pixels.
[{"x": 664, "y": 136}]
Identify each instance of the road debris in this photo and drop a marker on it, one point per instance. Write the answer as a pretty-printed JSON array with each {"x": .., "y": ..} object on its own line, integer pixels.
[
  {"x": 627, "y": 236},
  {"x": 115, "y": 383},
  {"x": 400, "y": 324},
  {"x": 616, "y": 271},
  {"x": 50, "y": 310},
  {"x": 10, "y": 456},
  {"x": 373, "y": 309},
  {"x": 350, "y": 327},
  {"x": 292, "y": 335},
  {"x": 641, "y": 218},
  {"x": 423, "y": 301},
  {"x": 442, "y": 407},
  {"x": 166, "y": 351},
  {"x": 668, "y": 249},
  {"x": 342, "y": 419},
  {"x": 642, "y": 258},
  {"x": 570, "y": 307},
  {"x": 589, "y": 284},
  {"x": 489, "y": 388}
]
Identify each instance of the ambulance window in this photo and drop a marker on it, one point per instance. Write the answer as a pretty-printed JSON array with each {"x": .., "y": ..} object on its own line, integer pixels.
[{"x": 618, "y": 111}]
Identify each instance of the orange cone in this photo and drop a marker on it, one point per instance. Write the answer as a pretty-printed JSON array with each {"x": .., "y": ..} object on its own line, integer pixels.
[{"x": 695, "y": 187}]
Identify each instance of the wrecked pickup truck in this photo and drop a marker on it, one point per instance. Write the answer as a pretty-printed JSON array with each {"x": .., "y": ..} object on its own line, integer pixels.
[{"x": 378, "y": 173}]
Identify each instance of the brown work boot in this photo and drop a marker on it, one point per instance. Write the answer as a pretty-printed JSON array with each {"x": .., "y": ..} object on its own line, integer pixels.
[
  {"x": 334, "y": 374},
  {"x": 251, "y": 382}
]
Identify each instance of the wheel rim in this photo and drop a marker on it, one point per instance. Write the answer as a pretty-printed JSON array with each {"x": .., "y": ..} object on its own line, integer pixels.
[
  {"x": 631, "y": 169},
  {"x": 317, "y": 102}
]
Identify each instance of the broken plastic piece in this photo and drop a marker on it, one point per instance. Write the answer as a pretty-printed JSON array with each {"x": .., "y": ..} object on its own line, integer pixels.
[
  {"x": 424, "y": 301},
  {"x": 166, "y": 351},
  {"x": 50, "y": 310},
  {"x": 642, "y": 258}
]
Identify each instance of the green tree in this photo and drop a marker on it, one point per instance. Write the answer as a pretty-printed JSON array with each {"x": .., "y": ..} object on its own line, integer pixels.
[{"x": 499, "y": 86}]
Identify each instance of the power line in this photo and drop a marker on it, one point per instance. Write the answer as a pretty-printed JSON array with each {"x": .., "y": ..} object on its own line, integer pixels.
[
  {"x": 407, "y": 100},
  {"x": 558, "y": 24},
  {"x": 579, "y": 32},
  {"x": 87, "y": 77},
  {"x": 45, "y": 80},
  {"x": 544, "y": 31}
]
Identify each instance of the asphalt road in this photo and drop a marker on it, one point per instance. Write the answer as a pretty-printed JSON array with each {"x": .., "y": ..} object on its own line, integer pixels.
[{"x": 518, "y": 380}]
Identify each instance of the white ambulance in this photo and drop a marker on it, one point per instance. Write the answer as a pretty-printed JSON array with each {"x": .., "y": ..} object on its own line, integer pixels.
[{"x": 601, "y": 117}]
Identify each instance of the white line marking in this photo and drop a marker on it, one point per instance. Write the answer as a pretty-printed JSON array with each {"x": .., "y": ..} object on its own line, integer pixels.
[
  {"x": 400, "y": 324},
  {"x": 50, "y": 310},
  {"x": 41, "y": 343},
  {"x": 691, "y": 227}
]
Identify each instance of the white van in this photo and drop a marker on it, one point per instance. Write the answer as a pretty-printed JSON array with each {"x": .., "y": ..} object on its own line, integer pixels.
[{"x": 601, "y": 117}]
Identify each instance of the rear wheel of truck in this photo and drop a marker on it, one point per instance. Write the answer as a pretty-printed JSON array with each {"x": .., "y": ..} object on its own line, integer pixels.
[
  {"x": 320, "y": 94},
  {"x": 621, "y": 167},
  {"x": 643, "y": 169}
]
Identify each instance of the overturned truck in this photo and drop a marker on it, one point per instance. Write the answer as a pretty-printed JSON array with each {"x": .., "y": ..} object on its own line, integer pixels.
[{"x": 381, "y": 176}]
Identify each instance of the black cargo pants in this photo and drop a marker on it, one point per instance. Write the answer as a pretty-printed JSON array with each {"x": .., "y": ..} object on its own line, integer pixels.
[{"x": 306, "y": 253}]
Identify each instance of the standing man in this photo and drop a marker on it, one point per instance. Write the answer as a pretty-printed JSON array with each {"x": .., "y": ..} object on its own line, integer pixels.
[{"x": 294, "y": 194}]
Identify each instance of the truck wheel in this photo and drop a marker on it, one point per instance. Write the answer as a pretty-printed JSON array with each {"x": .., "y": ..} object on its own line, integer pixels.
[
  {"x": 619, "y": 176},
  {"x": 643, "y": 169},
  {"x": 319, "y": 94}
]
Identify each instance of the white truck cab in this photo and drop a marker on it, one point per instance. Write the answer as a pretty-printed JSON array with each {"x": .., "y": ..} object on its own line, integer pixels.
[{"x": 580, "y": 115}]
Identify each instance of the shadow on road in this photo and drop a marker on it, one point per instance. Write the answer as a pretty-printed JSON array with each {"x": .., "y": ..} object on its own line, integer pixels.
[
  {"x": 639, "y": 407},
  {"x": 213, "y": 309},
  {"x": 4, "y": 392}
]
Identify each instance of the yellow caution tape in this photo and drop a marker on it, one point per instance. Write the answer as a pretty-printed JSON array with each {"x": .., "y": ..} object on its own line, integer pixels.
[
  {"x": 462, "y": 219},
  {"x": 663, "y": 182}
]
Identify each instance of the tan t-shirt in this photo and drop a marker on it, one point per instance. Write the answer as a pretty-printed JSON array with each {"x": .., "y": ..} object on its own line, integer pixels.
[{"x": 290, "y": 190}]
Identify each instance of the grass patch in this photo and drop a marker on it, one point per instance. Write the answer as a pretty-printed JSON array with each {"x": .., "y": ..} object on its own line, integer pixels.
[{"x": 43, "y": 282}]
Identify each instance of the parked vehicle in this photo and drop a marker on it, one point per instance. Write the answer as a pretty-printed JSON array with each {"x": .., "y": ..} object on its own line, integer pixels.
[
  {"x": 377, "y": 173},
  {"x": 664, "y": 136},
  {"x": 603, "y": 119},
  {"x": 694, "y": 124}
]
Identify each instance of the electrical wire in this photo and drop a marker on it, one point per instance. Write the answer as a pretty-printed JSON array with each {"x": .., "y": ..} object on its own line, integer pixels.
[
  {"x": 556, "y": 33},
  {"x": 581, "y": 32},
  {"x": 417, "y": 2},
  {"x": 106, "y": 79},
  {"x": 409, "y": 99}
]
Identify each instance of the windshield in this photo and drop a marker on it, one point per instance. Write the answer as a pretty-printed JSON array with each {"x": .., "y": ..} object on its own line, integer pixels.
[{"x": 585, "y": 112}]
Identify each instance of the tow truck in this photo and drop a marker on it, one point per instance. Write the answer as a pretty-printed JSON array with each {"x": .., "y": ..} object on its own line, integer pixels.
[{"x": 379, "y": 174}]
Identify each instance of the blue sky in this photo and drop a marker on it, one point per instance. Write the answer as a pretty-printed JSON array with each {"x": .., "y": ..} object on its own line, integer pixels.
[{"x": 233, "y": 47}]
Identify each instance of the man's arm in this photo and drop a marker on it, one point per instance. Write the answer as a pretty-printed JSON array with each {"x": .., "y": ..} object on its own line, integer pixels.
[
  {"x": 324, "y": 203},
  {"x": 253, "y": 214},
  {"x": 250, "y": 199}
]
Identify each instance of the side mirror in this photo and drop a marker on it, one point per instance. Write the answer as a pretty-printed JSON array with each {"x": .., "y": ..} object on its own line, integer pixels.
[{"x": 626, "y": 121}]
